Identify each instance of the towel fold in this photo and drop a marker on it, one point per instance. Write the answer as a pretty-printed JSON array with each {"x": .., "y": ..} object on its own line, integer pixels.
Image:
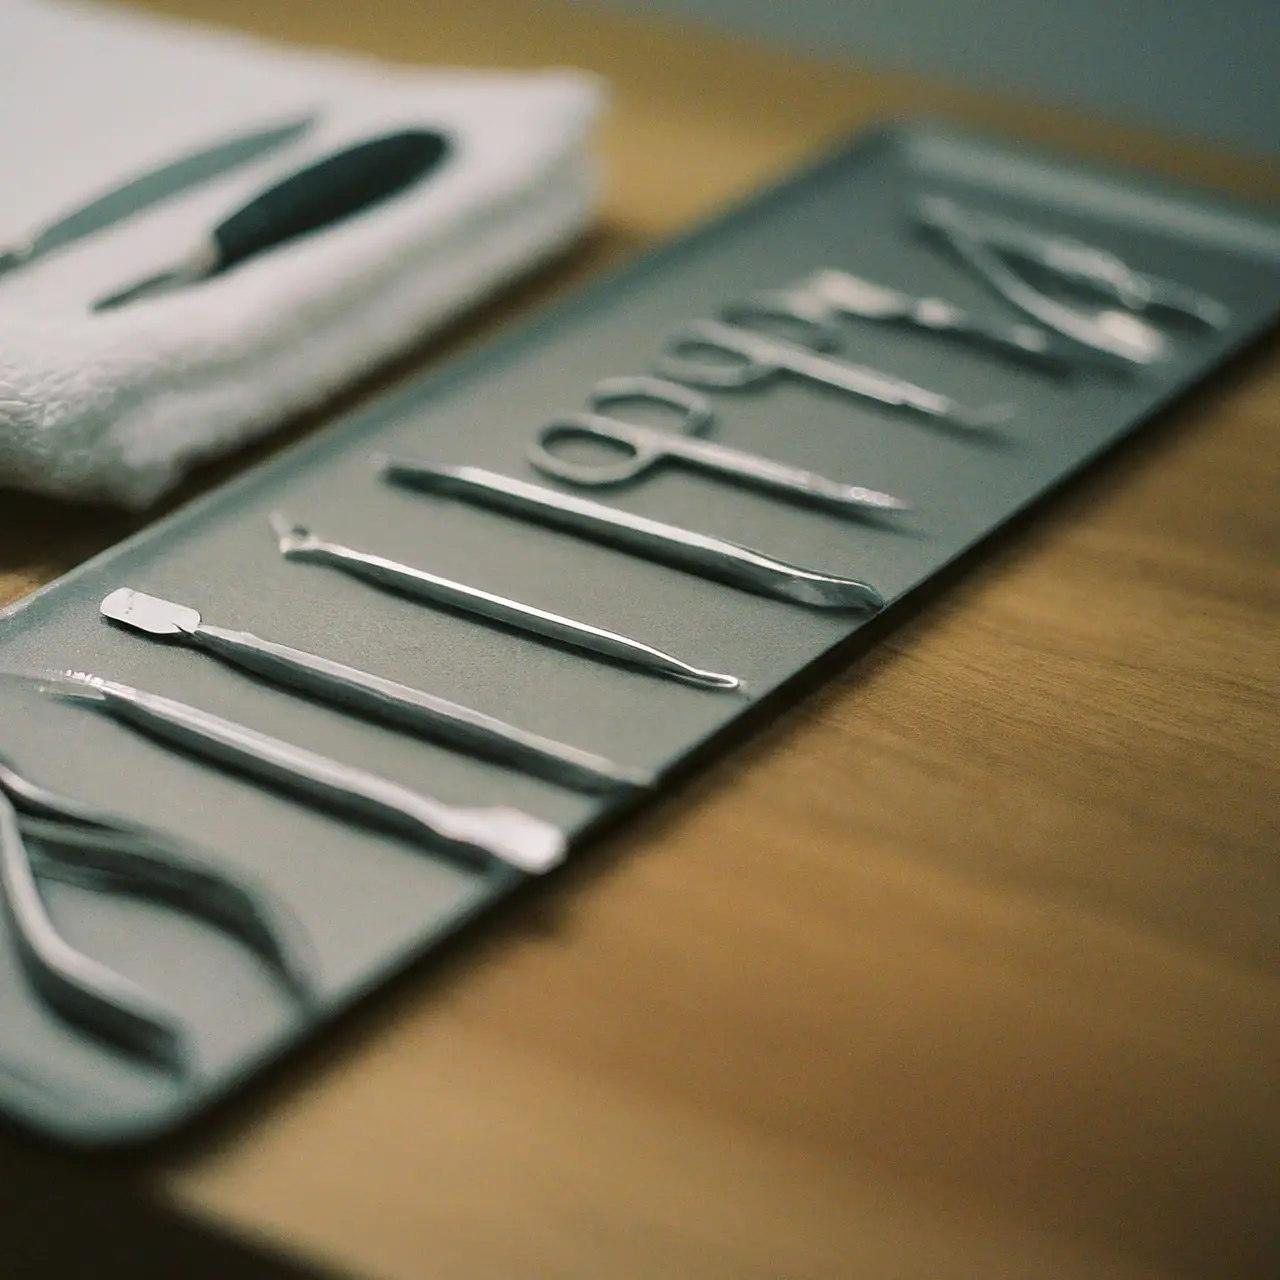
[{"x": 118, "y": 405}]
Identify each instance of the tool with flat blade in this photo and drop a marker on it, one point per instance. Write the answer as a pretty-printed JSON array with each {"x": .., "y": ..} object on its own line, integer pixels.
[
  {"x": 686, "y": 549},
  {"x": 496, "y": 832},
  {"x": 352, "y": 689},
  {"x": 319, "y": 196},
  {"x": 146, "y": 190}
]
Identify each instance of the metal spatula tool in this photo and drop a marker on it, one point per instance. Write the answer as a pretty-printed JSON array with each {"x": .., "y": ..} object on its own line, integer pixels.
[{"x": 385, "y": 700}]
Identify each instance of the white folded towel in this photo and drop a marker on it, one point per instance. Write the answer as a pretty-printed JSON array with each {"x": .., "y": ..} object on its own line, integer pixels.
[{"x": 117, "y": 405}]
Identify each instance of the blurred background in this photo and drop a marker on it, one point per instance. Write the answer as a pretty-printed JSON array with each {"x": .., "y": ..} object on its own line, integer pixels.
[{"x": 1206, "y": 69}]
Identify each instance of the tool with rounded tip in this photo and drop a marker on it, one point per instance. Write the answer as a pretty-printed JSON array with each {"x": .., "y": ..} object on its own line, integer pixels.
[
  {"x": 650, "y": 447},
  {"x": 698, "y": 553},
  {"x": 505, "y": 834},
  {"x": 322, "y": 195},
  {"x": 709, "y": 353},
  {"x": 385, "y": 700},
  {"x": 44, "y": 835},
  {"x": 1117, "y": 335},
  {"x": 297, "y": 542},
  {"x": 830, "y": 292},
  {"x": 149, "y": 189}
]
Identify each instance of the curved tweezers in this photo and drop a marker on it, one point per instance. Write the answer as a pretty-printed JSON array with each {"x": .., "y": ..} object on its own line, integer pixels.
[{"x": 84, "y": 846}]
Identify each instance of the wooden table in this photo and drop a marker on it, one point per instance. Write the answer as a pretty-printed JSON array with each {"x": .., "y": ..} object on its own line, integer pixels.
[{"x": 968, "y": 967}]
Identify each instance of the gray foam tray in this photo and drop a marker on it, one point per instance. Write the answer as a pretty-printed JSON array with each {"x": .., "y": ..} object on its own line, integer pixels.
[{"x": 374, "y": 903}]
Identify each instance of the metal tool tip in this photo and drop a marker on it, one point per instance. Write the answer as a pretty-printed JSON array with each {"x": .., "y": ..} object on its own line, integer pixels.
[
  {"x": 527, "y": 843},
  {"x": 72, "y": 684},
  {"x": 150, "y": 614},
  {"x": 875, "y": 500},
  {"x": 289, "y": 532},
  {"x": 711, "y": 679},
  {"x": 990, "y": 418}
]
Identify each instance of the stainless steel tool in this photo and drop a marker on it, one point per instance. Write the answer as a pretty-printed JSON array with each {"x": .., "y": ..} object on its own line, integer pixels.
[
  {"x": 650, "y": 447},
  {"x": 507, "y": 835},
  {"x": 1118, "y": 335},
  {"x": 384, "y": 700},
  {"x": 146, "y": 190},
  {"x": 297, "y": 542},
  {"x": 319, "y": 196},
  {"x": 1096, "y": 270},
  {"x": 652, "y": 539},
  {"x": 831, "y": 292},
  {"x": 44, "y": 835},
  {"x": 709, "y": 353}
]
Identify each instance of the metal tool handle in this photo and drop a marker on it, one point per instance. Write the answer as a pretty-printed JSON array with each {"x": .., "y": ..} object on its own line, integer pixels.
[
  {"x": 711, "y": 557},
  {"x": 413, "y": 709},
  {"x": 646, "y": 445},
  {"x": 328, "y": 192},
  {"x": 506, "y": 834},
  {"x": 76, "y": 987}
]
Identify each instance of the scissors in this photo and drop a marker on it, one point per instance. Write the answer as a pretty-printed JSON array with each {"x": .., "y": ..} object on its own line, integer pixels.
[
  {"x": 710, "y": 353},
  {"x": 44, "y": 835},
  {"x": 651, "y": 446}
]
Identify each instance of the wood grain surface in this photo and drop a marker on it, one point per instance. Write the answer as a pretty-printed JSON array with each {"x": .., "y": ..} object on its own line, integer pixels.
[{"x": 969, "y": 966}]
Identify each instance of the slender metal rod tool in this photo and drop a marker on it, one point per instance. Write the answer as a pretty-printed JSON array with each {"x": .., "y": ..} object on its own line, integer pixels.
[
  {"x": 385, "y": 700},
  {"x": 505, "y": 834},
  {"x": 698, "y": 553},
  {"x": 297, "y": 542}
]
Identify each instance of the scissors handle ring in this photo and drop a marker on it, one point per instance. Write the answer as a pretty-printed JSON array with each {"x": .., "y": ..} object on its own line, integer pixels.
[
  {"x": 643, "y": 443},
  {"x": 805, "y": 311},
  {"x": 693, "y": 407},
  {"x": 680, "y": 360}
]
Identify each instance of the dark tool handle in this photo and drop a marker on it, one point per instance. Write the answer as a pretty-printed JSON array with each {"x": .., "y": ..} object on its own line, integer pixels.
[{"x": 329, "y": 192}]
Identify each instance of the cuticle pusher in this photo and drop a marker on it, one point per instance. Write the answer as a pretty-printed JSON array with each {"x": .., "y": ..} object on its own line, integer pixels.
[
  {"x": 297, "y": 542},
  {"x": 497, "y": 832},
  {"x": 386, "y": 700},
  {"x": 698, "y": 553}
]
